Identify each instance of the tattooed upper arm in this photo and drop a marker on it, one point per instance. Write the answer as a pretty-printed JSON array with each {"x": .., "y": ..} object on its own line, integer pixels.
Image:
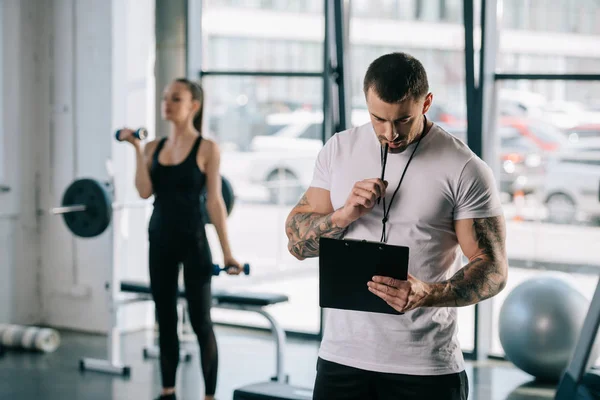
[
  {"x": 303, "y": 201},
  {"x": 482, "y": 238},
  {"x": 314, "y": 200},
  {"x": 483, "y": 242}
]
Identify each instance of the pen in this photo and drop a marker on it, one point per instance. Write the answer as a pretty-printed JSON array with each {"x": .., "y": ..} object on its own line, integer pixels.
[{"x": 385, "y": 153}]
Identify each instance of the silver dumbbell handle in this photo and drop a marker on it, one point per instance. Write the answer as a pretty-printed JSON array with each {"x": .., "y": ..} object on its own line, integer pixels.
[
  {"x": 68, "y": 209},
  {"x": 82, "y": 207}
]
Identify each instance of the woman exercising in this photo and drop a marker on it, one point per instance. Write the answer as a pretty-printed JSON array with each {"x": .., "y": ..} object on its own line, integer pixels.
[{"x": 175, "y": 169}]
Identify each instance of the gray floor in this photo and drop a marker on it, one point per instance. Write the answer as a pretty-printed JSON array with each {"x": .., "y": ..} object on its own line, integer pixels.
[{"x": 245, "y": 357}]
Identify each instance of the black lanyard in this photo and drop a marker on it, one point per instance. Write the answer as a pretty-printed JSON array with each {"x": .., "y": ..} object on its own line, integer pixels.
[{"x": 384, "y": 152}]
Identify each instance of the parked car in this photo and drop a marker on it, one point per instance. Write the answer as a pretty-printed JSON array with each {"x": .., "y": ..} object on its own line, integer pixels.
[
  {"x": 566, "y": 114},
  {"x": 585, "y": 145},
  {"x": 562, "y": 114},
  {"x": 521, "y": 159},
  {"x": 522, "y": 162},
  {"x": 582, "y": 132},
  {"x": 571, "y": 186},
  {"x": 547, "y": 137},
  {"x": 520, "y": 103},
  {"x": 283, "y": 161}
]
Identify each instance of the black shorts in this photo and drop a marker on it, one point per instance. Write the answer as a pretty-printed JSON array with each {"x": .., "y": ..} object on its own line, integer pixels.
[{"x": 339, "y": 382}]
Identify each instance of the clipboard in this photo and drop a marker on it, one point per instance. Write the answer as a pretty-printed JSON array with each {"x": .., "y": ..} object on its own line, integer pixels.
[{"x": 345, "y": 267}]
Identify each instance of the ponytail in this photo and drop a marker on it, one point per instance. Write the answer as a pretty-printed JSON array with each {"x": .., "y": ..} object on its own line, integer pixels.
[
  {"x": 198, "y": 119},
  {"x": 197, "y": 94}
]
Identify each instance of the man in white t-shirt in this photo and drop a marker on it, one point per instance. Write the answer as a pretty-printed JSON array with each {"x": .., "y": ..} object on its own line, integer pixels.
[{"x": 439, "y": 199}]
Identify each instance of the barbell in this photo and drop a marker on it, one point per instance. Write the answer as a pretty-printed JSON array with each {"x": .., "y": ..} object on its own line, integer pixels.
[{"x": 87, "y": 206}]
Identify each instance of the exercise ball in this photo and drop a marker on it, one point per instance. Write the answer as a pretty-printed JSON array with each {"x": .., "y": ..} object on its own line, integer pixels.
[
  {"x": 539, "y": 325},
  {"x": 533, "y": 391}
]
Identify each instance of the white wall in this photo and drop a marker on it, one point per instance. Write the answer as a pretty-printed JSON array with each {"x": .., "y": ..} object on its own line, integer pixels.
[
  {"x": 24, "y": 83},
  {"x": 73, "y": 278},
  {"x": 73, "y": 71},
  {"x": 1, "y": 98},
  {"x": 134, "y": 106}
]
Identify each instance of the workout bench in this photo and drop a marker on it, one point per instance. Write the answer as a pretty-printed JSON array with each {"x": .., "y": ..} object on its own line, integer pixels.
[{"x": 255, "y": 302}]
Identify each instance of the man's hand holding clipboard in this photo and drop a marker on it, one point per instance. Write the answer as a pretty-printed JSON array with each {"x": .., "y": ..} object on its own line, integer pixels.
[{"x": 401, "y": 295}]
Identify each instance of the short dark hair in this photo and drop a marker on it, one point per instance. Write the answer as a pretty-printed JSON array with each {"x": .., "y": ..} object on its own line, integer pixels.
[{"x": 396, "y": 77}]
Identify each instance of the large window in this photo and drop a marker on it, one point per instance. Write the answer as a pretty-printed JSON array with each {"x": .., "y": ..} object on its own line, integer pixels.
[
  {"x": 312, "y": 6},
  {"x": 417, "y": 10},
  {"x": 269, "y": 128},
  {"x": 548, "y": 168},
  {"x": 445, "y": 70},
  {"x": 571, "y": 16},
  {"x": 549, "y": 36},
  {"x": 264, "y": 54}
]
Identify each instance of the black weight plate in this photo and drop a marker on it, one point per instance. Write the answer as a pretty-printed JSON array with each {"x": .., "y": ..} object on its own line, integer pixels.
[
  {"x": 228, "y": 197},
  {"x": 96, "y": 218}
]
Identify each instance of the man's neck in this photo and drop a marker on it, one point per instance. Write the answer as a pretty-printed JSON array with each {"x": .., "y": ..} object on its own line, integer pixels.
[{"x": 425, "y": 128}]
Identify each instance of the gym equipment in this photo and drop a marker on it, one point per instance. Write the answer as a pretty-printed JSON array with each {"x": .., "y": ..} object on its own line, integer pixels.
[
  {"x": 3, "y": 189},
  {"x": 272, "y": 391},
  {"x": 87, "y": 211},
  {"x": 253, "y": 302},
  {"x": 532, "y": 390},
  {"x": 539, "y": 323},
  {"x": 218, "y": 269},
  {"x": 228, "y": 197},
  {"x": 152, "y": 351},
  {"x": 578, "y": 382},
  {"x": 29, "y": 338},
  {"x": 87, "y": 206},
  {"x": 141, "y": 134}
]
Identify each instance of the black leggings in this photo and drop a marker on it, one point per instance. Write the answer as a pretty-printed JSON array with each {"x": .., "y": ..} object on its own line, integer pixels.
[{"x": 167, "y": 251}]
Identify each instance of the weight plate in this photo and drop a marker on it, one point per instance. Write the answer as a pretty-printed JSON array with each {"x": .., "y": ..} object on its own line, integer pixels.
[
  {"x": 142, "y": 133},
  {"x": 98, "y": 213},
  {"x": 228, "y": 197}
]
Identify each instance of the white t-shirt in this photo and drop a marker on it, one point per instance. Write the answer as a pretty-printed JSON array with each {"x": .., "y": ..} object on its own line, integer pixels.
[{"x": 445, "y": 181}]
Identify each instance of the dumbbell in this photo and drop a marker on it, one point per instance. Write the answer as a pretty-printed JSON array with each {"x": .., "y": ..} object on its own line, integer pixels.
[
  {"x": 140, "y": 134},
  {"x": 217, "y": 269}
]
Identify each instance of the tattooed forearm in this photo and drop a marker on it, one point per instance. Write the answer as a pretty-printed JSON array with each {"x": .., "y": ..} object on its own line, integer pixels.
[
  {"x": 477, "y": 281},
  {"x": 304, "y": 230},
  {"x": 484, "y": 276}
]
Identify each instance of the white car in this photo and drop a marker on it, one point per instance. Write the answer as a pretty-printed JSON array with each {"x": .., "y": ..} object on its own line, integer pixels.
[
  {"x": 571, "y": 187},
  {"x": 563, "y": 114},
  {"x": 284, "y": 161}
]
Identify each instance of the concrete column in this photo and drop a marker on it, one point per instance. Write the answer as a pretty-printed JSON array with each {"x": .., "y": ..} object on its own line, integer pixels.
[{"x": 171, "y": 45}]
